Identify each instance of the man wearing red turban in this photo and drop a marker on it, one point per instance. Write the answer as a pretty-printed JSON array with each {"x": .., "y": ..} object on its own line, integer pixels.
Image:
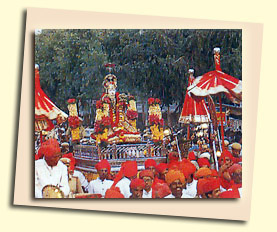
[
  {"x": 136, "y": 187},
  {"x": 113, "y": 192},
  {"x": 208, "y": 188},
  {"x": 235, "y": 172},
  {"x": 147, "y": 176},
  {"x": 150, "y": 164},
  {"x": 101, "y": 184},
  {"x": 203, "y": 162},
  {"x": 129, "y": 170},
  {"x": 188, "y": 170},
  {"x": 49, "y": 170}
]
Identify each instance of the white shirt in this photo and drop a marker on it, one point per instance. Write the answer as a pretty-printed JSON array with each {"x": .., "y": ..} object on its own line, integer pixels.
[
  {"x": 191, "y": 189},
  {"x": 183, "y": 196},
  {"x": 147, "y": 194},
  {"x": 99, "y": 187},
  {"x": 124, "y": 186},
  {"x": 46, "y": 175},
  {"x": 82, "y": 179}
]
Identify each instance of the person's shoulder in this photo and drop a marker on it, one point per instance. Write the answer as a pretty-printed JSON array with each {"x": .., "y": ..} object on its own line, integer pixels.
[
  {"x": 61, "y": 165},
  {"x": 40, "y": 163}
]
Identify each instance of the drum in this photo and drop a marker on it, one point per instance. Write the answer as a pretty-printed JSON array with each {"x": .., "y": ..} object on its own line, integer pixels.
[{"x": 52, "y": 191}]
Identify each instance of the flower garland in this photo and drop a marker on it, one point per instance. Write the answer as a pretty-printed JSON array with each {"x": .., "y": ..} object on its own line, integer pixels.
[
  {"x": 73, "y": 121},
  {"x": 132, "y": 114}
]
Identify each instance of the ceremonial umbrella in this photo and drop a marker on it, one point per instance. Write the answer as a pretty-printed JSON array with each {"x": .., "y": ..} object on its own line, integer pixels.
[
  {"x": 194, "y": 108},
  {"x": 45, "y": 109},
  {"x": 217, "y": 82}
]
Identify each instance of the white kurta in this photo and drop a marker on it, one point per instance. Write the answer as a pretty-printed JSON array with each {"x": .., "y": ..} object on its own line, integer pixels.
[
  {"x": 124, "y": 186},
  {"x": 183, "y": 196},
  {"x": 46, "y": 175},
  {"x": 82, "y": 179},
  {"x": 147, "y": 194},
  {"x": 191, "y": 189},
  {"x": 99, "y": 187}
]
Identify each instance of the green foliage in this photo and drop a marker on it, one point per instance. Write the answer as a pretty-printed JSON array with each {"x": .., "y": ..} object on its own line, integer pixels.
[{"x": 148, "y": 62}]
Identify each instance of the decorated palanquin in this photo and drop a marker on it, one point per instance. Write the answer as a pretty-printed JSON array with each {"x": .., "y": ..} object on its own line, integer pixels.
[
  {"x": 155, "y": 119},
  {"x": 116, "y": 115}
]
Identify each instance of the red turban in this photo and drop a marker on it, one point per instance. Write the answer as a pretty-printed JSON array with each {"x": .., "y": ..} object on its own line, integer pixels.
[
  {"x": 191, "y": 156},
  {"x": 174, "y": 165},
  {"x": 161, "y": 167},
  {"x": 230, "y": 194},
  {"x": 161, "y": 190},
  {"x": 150, "y": 163},
  {"x": 137, "y": 183},
  {"x": 225, "y": 154},
  {"x": 203, "y": 161},
  {"x": 203, "y": 172},
  {"x": 113, "y": 192},
  {"x": 233, "y": 168},
  {"x": 174, "y": 175},
  {"x": 173, "y": 156},
  {"x": 50, "y": 148},
  {"x": 130, "y": 168},
  {"x": 103, "y": 164},
  {"x": 72, "y": 160},
  {"x": 188, "y": 169},
  {"x": 146, "y": 173},
  {"x": 207, "y": 185}
]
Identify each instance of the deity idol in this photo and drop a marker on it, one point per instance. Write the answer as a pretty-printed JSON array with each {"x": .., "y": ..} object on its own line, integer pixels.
[{"x": 116, "y": 115}]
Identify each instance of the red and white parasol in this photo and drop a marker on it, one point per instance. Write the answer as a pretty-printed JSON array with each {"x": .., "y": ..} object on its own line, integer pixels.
[
  {"x": 216, "y": 82},
  {"x": 194, "y": 108},
  {"x": 45, "y": 109}
]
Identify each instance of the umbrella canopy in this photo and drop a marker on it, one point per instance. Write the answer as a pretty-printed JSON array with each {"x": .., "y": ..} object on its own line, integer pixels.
[
  {"x": 45, "y": 109},
  {"x": 194, "y": 108},
  {"x": 215, "y": 82}
]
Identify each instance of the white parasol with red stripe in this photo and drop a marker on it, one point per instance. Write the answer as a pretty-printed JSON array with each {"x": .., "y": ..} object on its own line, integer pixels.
[{"x": 45, "y": 109}]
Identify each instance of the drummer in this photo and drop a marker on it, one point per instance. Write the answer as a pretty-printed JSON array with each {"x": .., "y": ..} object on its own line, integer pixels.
[{"x": 49, "y": 170}]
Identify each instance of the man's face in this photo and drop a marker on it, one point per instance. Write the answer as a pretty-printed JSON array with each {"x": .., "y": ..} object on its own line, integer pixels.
[
  {"x": 190, "y": 178},
  {"x": 237, "y": 176},
  {"x": 53, "y": 160},
  {"x": 162, "y": 175},
  {"x": 228, "y": 161},
  {"x": 65, "y": 149},
  {"x": 103, "y": 173},
  {"x": 235, "y": 152},
  {"x": 137, "y": 192},
  {"x": 148, "y": 183},
  {"x": 176, "y": 188}
]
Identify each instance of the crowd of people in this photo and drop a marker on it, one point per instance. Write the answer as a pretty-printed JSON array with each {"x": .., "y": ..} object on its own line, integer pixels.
[{"x": 191, "y": 177}]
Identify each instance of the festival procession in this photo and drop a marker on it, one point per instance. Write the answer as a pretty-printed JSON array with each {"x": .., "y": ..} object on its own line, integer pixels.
[{"x": 117, "y": 136}]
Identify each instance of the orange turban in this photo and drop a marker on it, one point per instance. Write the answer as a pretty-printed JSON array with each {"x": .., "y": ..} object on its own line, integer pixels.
[
  {"x": 188, "y": 169},
  {"x": 207, "y": 185},
  {"x": 150, "y": 163},
  {"x": 146, "y": 173},
  {"x": 130, "y": 168},
  {"x": 203, "y": 161},
  {"x": 103, "y": 164},
  {"x": 203, "y": 172},
  {"x": 173, "y": 175},
  {"x": 50, "y": 148},
  {"x": 137, "y": 183},
  {"x": 161, "y": 167},
  {"x": 113, "y": 192}
]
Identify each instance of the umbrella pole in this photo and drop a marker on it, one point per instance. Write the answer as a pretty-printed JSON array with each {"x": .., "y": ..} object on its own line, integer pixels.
[{"x": 221, "y": 121}]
